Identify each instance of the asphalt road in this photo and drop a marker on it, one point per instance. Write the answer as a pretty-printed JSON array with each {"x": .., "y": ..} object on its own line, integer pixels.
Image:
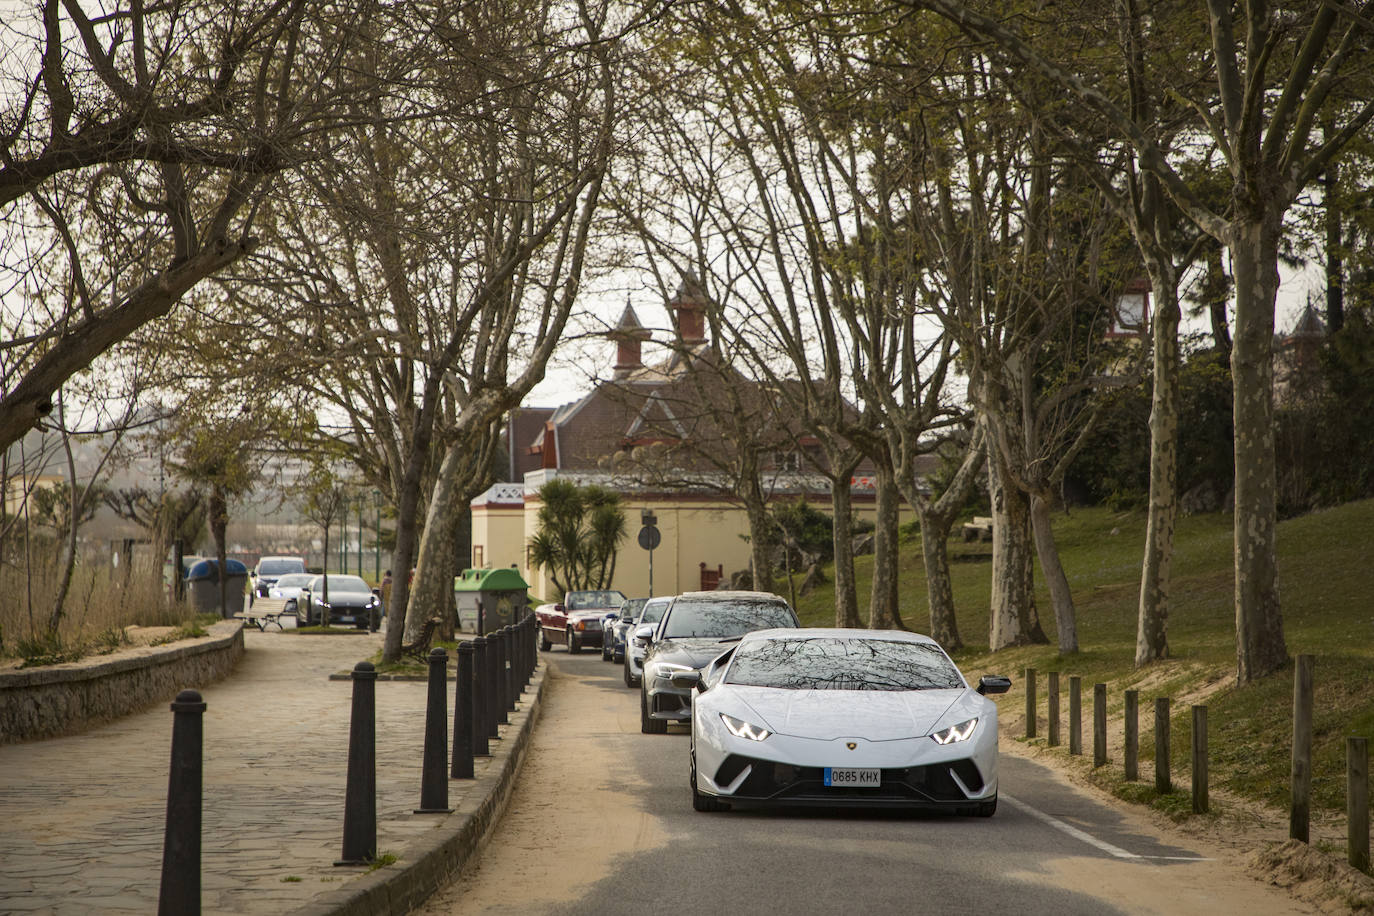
[{"x": 601, "y": 823}]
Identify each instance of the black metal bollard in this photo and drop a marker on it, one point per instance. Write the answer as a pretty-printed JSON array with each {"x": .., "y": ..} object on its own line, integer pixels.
[
  {"x": 180, "y": 892},
  {"x": 513, "y": 669},
  {"x": 462, "y": 715},
  {"x": 495, "y": 665},
  {"x": 502, "y": 680},
  {"x": 480, "y": 730},
  {"x": 360, "y": 796},
  {"x": 433, "y": 781},
  {"x": 530, "y": 657}
]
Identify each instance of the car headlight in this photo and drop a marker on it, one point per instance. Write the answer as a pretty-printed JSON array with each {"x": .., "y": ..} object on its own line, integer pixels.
[
  {"x": 955, "y": 733},
  {"x": 742, "y": 729},
  {"x": 664, "y": 670}
]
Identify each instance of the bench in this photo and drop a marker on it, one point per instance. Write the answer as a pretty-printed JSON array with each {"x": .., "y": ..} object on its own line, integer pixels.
[
  {"x": 419, "y": 649},
  {"x": 980, "y": 529},
  {"x": 263, "y": 613}
]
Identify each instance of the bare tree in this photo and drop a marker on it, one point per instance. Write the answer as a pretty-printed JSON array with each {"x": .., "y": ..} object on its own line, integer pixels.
[
  {"x": 134, "y": 156},
  {"x": 1272, "y": 68}
]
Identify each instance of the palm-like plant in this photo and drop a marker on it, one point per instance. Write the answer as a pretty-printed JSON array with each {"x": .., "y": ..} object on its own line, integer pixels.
[{"x": 580, "y": 530}]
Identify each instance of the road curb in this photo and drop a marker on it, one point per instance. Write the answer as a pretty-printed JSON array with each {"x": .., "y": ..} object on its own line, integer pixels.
[{"x": 429, "y": 863}]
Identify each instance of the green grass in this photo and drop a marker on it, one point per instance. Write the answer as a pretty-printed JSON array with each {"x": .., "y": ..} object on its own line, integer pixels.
[{"x": 1326, "y": 578}]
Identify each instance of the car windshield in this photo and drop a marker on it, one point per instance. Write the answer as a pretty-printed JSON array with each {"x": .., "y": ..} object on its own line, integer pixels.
[
  {"x": 632, "y": 607},
  {"x": 295, "y": 580},
  {"x": 653, "y": 612},
  {"x": 279, "y": 567},
  {"x": 722, "y": 619},
  {"x": 345, "y": 584},
  {"x": 581, "y": 601},
  {"x": 842, "y": 663}
]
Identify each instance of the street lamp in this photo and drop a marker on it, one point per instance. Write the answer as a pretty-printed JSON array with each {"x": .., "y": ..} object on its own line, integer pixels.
[{"x": 360, "y": 535}]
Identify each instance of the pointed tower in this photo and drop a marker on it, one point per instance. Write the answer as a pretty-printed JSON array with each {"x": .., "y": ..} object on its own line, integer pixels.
[
  {"x": 629, "y": 336},
  {"x": 688, "y": 308}
]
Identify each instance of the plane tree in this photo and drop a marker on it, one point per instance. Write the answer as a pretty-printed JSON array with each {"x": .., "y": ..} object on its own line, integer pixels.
[{"x": 136, "y": 148}]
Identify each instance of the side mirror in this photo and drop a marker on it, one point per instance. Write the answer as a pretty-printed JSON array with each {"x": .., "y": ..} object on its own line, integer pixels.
[
  {"x": 993, "y": 683},
  {"x": 686, "y": 679},
  {"x": 644, "y": 634}
]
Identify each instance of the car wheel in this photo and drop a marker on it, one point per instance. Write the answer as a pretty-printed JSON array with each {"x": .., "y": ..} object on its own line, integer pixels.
[
  {"x": 647, "y": 725},
  {"x": 573, "y": 645},
  {"x": 544, "y": 643},
  {"x": 606, "y": 653},
  {"x": 629, "y": 681},
  {"x": 702, "y": 802},
  {"x": 986, "y": 808},
  {"x": 302, "y": 620},
  {"x": 289, "y": 607}
]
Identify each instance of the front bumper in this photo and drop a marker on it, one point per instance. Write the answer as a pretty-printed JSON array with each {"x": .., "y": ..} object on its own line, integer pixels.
[
  {"x": 672, "y": 704},
  {"x": 786, "y": 770}
]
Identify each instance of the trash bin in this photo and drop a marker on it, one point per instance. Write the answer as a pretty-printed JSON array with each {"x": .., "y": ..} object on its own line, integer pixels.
[
  {"x": 202, "y": 586},
  {"x": 489, "y": 599}
]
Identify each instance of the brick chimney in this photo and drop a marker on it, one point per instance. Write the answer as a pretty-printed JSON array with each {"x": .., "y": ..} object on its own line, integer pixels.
[
  {"x": 688, "y": 307},
  {"x": 629, "y": 336}
]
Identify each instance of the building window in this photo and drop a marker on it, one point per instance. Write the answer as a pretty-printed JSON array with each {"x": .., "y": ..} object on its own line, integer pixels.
[{"x": 478, "y": 557}]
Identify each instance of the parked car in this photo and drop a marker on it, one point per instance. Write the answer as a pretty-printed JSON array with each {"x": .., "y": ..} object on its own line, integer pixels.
[
  {"x": 350, "y": 600},
  {"x": 695, "y": 628},
  {"x": 576, "y": 622},
  {"x": 876, "y": 718},
  {"x": 288, "y": 589},
  {"x": 652, "y": 612},
  {"x": 269, "y": 570},
  {"x": 617, "y": 629}
]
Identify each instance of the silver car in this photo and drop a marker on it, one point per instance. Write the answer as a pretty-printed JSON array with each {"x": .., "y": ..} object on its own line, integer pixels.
[
  {"x": 652, "y": 612},
  {"x": 697, "y": 627}
]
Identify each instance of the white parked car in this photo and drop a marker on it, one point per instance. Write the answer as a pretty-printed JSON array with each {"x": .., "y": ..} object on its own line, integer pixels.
[
  {"x": 651, "y": 612},
  {"x": 288, "y": 589},
  {"x": 879, "y": 718}
]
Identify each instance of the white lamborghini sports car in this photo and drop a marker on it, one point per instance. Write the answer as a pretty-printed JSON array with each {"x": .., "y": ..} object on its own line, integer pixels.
[{"x": 869, "y": 718}]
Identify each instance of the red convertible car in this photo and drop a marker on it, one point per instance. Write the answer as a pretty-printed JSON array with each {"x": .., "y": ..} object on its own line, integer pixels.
[{"x": 577, "y": 621}]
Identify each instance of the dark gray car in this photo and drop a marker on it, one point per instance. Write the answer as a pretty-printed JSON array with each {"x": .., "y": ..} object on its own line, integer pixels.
[{"x": 696, "y": 628}]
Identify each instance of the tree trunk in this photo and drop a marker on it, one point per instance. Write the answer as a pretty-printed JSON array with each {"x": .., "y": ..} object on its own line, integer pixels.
[
  {"x": 64, "y": 584},
  {"x": 1014, "y": 621},
  {"x": 219, "y": 525},
  {"x": 435, "y": 558},
  {"x": 324, "y": 571},
  {"x": 1151, "y": 641},
  {"x": 761, "y": 538},
  {"x": 1061, "y": 597},
  {"x": 842, "y": 537},
  {"x": 883, "y": 613},
  {"x": 1260, "y": 648},
  {"x": 944, "y": 628}
]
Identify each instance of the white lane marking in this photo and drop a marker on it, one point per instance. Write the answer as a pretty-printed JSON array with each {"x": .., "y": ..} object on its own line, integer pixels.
[{"x": 1103, "y": 845}]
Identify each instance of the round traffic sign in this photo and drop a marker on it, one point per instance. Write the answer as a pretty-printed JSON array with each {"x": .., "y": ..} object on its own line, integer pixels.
[{"x": 649, "y": 537}]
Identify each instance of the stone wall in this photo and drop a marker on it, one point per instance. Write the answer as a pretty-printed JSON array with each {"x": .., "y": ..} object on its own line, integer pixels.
[{"x": 63, "y": 699}]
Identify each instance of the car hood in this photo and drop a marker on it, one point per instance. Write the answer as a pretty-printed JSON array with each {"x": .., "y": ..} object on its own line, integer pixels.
[
  {"x": 589, "y": 615},
  {"x": 874, "y": 715},
  {"x": 693, "y": 653}
]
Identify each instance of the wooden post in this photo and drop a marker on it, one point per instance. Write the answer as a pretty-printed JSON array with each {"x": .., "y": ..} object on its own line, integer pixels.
[
  {"x": 1075, "y": 714},
  {"x": 1357, "y": 801},
  {"x": 1052, "y": 708},
  {"x": 1099, "y": 725},
  {"x": 1163, "y": 784},
  {"x": 1199, "y": 759},
  {"x": 1299, "y": 814},
  {"x": 1030, "y": 702},
  {"x": 1132, "y": 750}
]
